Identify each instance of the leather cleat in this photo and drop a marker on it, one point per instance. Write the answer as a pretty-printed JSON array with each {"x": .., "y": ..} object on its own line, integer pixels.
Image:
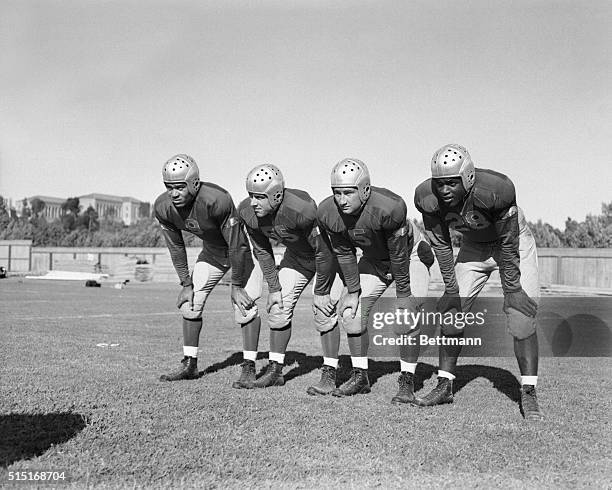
[
  {"x": 326, "y": 384},
  {"x": 441, "y": 394},
  {"x": 357, "y": 384},
  {"x": 247, "y": 376},
  {"x": 272, "y": 377},
  {"x": 529, "y": 404},
  {"x": 188, "y": 370},
  {"x": 405, "y": 393}
]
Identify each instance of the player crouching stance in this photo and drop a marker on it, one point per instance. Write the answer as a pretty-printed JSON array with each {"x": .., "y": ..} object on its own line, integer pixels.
[
  {"x": 287, "y": 216},
  {"x": 207, "y": 211},
  {"x": 373, "y": 219},
  {"x": 481, "y": 204}
]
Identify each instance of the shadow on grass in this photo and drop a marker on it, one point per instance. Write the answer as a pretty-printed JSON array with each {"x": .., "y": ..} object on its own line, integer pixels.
[
  {"x": 234, "y": 360},
  {"x": 503, "y": 381},
  {"x": 27, "y": 436}
]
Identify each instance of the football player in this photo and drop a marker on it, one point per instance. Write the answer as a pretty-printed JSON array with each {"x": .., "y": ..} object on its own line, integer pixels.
[
  {"x": 207, "y": 211},
  {"x": 373, "y": 219},
  {"x": 274, "y": 213},
  {"x": 481, "y": 204}
]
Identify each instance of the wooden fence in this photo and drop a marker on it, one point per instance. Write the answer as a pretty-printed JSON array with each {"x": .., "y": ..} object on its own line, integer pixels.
[{"x": 565, "y": 266}]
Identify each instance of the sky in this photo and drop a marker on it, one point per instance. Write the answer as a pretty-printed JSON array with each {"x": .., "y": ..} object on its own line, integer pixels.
[{"x": 96, "y": 95}]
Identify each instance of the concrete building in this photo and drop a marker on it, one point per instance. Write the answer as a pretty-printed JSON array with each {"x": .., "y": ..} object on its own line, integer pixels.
[
  {"x": 117, "y": 208},
  {"x": 53, "y": 206},
  {"x": 126, "y": 209}
]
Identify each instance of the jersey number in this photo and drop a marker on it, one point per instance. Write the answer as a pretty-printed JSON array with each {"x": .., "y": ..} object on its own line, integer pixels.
[{"x": 472, "y": 220}]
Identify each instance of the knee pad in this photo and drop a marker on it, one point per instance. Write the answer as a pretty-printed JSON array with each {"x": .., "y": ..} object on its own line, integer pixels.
[
  {"x": 251, "y": 313},
  {"x": 322, "y": 322},
  {"x": 520, "y": 326},
  {"x": 189, "y": 313},
  {"x": 279, "y": 319},
  {"x": 352, "y": 326}
]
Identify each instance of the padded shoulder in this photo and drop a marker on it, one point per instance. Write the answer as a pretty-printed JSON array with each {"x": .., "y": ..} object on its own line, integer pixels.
[{"x": 424, "y": 198}]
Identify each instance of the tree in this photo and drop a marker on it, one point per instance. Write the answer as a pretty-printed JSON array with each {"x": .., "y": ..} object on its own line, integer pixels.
[
  {"x": 545, "y": 235},
  {"x": 26, "y": 212},
  {"x": 89, "y": 220},
  {"x": 594, "y": 231},
  {"x": 69, "y": 222},
  {"x": 72, "y": 206},
  {"x": 38, "y": 205},
  {"x": 5, "y": 217}
]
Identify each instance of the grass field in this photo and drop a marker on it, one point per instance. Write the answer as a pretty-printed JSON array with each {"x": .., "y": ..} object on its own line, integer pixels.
[{"x": 79, "y": 392}]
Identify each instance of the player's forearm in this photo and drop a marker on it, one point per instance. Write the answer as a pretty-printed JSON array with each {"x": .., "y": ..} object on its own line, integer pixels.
[
  {"x": 178, "y": 255},
  {"x": 400, "y": 265},
  {"x": 238, "y": 257},
  {"x": 268, "y": 266},
  {"x": 439, "y": 238},
  {"x": 237, "y": 246},
  {"x": 509, "y": 267},
  {"x": 325, "y": 265},
  {"x": 446, "y": 261},
  {"x": 350, "y": 272},
  {"x": 325, "y": 276}
]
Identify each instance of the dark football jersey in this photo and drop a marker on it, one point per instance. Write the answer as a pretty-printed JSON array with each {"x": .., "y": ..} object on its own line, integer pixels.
[
  {"x": 212, "y": 217},
  {"x": 489, "y": 214},
  {"x": 379, "y": 230},
  {"x": 294, "y": 224}
]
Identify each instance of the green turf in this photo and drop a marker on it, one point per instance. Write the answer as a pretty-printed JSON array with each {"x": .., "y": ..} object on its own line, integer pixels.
[{"x": 100, "y": 413}]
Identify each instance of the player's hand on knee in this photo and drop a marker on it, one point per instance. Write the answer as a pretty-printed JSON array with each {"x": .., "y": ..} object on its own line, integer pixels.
[
  {"x": 449, "y": 302},
  {"x": 348, "y": 305},
  {"x": 520, "y": 301},
  {"x": 324, "y": 304},
  {"x": 275, "y": 298},
  {"x": 185, "y": 296},
  {"x": 241, "y": 299}
]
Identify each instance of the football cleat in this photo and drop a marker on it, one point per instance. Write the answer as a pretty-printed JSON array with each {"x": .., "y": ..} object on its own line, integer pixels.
[
  {"x": 441, "y": 394},
  {"x": 188, "y": 370},
  {"x": 272, "y": 377},
  {"x": 405, "y": 393},
  {"x": 529, "y": 403},
  {"x": 326, "y": 384},
  {"x": 247, "y": 376},
  {"x": 357, "y": 384}
]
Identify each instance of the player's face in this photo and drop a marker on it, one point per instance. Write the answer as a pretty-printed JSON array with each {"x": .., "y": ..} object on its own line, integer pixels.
[
  {"x": 347, "y": 199},
  {"x": 179, "y": 193},
  {"x": 450, "y": 191},
  {"x": 260, "y": 204}
]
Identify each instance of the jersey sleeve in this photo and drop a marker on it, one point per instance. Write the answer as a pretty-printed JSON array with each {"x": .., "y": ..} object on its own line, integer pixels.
[
  {"x": 507, "y": 227},
  {"x": 397, "y": 236},
  {"x": 438, "y": 235},
  {"x": 346, "y": 255},
  {"x": 176, "y": 247},
  {"x": 262, "y": 248},
  {"x": 342, "y": 249},
  {"x": 235, "y": 237},
  {"x": 324, "y": 260}
]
